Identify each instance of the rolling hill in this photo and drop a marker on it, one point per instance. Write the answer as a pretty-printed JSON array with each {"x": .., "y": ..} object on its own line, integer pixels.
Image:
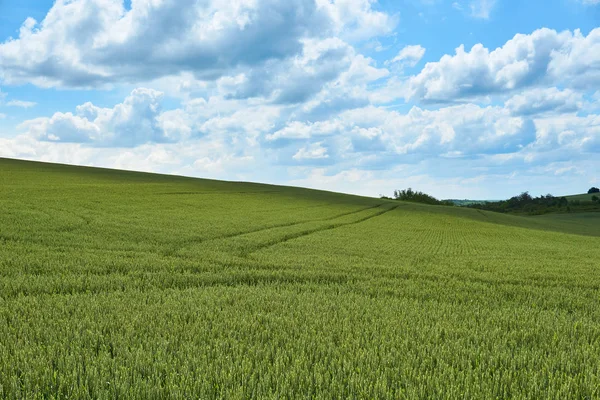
[
  {"x": 584, "y": 197},
  {"x": 126, "y": 284}
]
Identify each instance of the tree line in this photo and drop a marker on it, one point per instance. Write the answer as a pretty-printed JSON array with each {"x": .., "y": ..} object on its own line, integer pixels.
[
  {"x": 418, "y": 197},
  {"x": 526, "y": 204},
  {"x": 523, "y": 203}
]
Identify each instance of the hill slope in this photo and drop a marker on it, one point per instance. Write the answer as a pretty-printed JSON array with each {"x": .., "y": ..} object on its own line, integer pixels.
[
  {"x": 140, "y": 285},
  {"x": 585, "y": 197}
]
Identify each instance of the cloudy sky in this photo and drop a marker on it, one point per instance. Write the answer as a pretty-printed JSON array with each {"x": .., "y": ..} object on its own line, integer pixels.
[{"x": 461, "y": 99}]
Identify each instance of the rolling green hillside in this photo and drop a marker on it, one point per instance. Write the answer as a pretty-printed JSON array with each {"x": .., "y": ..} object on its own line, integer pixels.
[
  {"x": 582, "y": 197},
  {"x": 123, "y": 284}
]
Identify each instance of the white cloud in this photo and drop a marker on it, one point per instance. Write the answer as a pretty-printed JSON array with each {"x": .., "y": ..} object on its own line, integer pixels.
[
  {"x": 544, "y": 56},
  {"x": 64, "y": 127},
  {"x": 355, "y": 20},
  {"x": 570, "y": 134},
  {"x": 133, "y": 122},
  {"x": 481, "y": 8},
  {"x": 21, "y": 103},
  {"x": 294, "y": 80},
  {"x": 458, "y": 130},
  {"x": 176, "y": 124},
  {"x": 90, "y": 43},
  {"x": 192, "y": 158},
  {"x": 302, "y": 130},
  {"x": 241, "y": 127},
  {"x": 536, "y": 101},
  {"x": 313, "y": 151},
  {"x": 345, "y": 181},
  {"x": 365, "y": 136},
  {"x": 577, "y": 62},
  {"x": 374, "y": 183},
  {"x": 248, "y": 140},
  {"x": 2, "y": 116},
  {"x": 410, "y": 55}
]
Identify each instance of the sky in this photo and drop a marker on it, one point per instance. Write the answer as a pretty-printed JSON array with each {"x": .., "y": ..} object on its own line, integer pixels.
[{"x": 479, "y": 99}]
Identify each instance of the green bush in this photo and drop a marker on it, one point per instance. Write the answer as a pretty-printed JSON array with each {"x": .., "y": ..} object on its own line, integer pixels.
[{"x": 419, "y": 197}]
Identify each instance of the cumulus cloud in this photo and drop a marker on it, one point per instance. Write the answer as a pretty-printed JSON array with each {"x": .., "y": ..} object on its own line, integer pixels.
[
  {"x": 569, "y": 133},
  {"x": 536, "y": 101},
  {"x": 328, "y": 76},
  {"x": 578, "y": 61},
  {"x": 409, "y": 55},
  {"x": 458, "y": 130},
  {"x": 89, "y": 43},
  {"x": 524, "y": 61},
  {"x": 133, "y": 122},
  {"x": 227, "y": 138},
  {"x": 356, "y": 20},
  {"x": 312, "y": 151},
  {"x": 294, "y": 80}
]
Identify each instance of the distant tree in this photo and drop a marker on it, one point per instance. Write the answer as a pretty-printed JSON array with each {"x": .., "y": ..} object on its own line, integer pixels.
[
  {"x": 525, "y": 197},
  {"x": 563, "y": 202},
  {"x": 595, "y": 198},
  {"x": 593, "y": 190},
  {"x": 419, "y": 197},
  {"x": 527, "y": 204}
]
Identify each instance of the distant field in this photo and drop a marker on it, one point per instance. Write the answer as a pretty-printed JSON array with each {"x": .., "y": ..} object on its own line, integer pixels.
[
  {"x": 582, "y": 197},
  {"x": 582, "y": 223},
  {"x": 468, "y": 202},
  {"x": 122, "y": 284}
]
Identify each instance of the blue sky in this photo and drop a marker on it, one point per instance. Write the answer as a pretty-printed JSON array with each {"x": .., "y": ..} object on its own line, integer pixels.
[{"x": 461, "y": 99}]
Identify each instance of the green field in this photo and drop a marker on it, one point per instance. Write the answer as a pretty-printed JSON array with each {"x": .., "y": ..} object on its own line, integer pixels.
[
  {"x": 127, "y": 285},
  {"x": 582, "y": 197}
]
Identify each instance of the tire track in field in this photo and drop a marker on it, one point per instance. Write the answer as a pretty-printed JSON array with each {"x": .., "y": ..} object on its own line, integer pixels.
[
  {"x": 482, "y": 213},
  {"x": 6, "y": 238},
  {"x": 85, "y": 219},
  {"x": 196, "y": 240},
  {"x": 207, "y": 192},
  {"x": 297, "y": 235}
]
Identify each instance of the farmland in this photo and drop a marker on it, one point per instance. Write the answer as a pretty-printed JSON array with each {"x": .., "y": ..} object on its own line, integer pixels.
[
  {"x": 123, "y": 284},
  {"x": 585, "y": 197}
]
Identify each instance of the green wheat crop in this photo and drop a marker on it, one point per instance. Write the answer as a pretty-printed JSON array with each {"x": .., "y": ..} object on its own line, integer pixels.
[{"x": 126, "y": 285}]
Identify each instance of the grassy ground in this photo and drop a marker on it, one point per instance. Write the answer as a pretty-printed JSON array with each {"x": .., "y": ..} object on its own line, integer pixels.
[
  {"x": 120, "y": 284},
  {"x": 582, "y": 197}
]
